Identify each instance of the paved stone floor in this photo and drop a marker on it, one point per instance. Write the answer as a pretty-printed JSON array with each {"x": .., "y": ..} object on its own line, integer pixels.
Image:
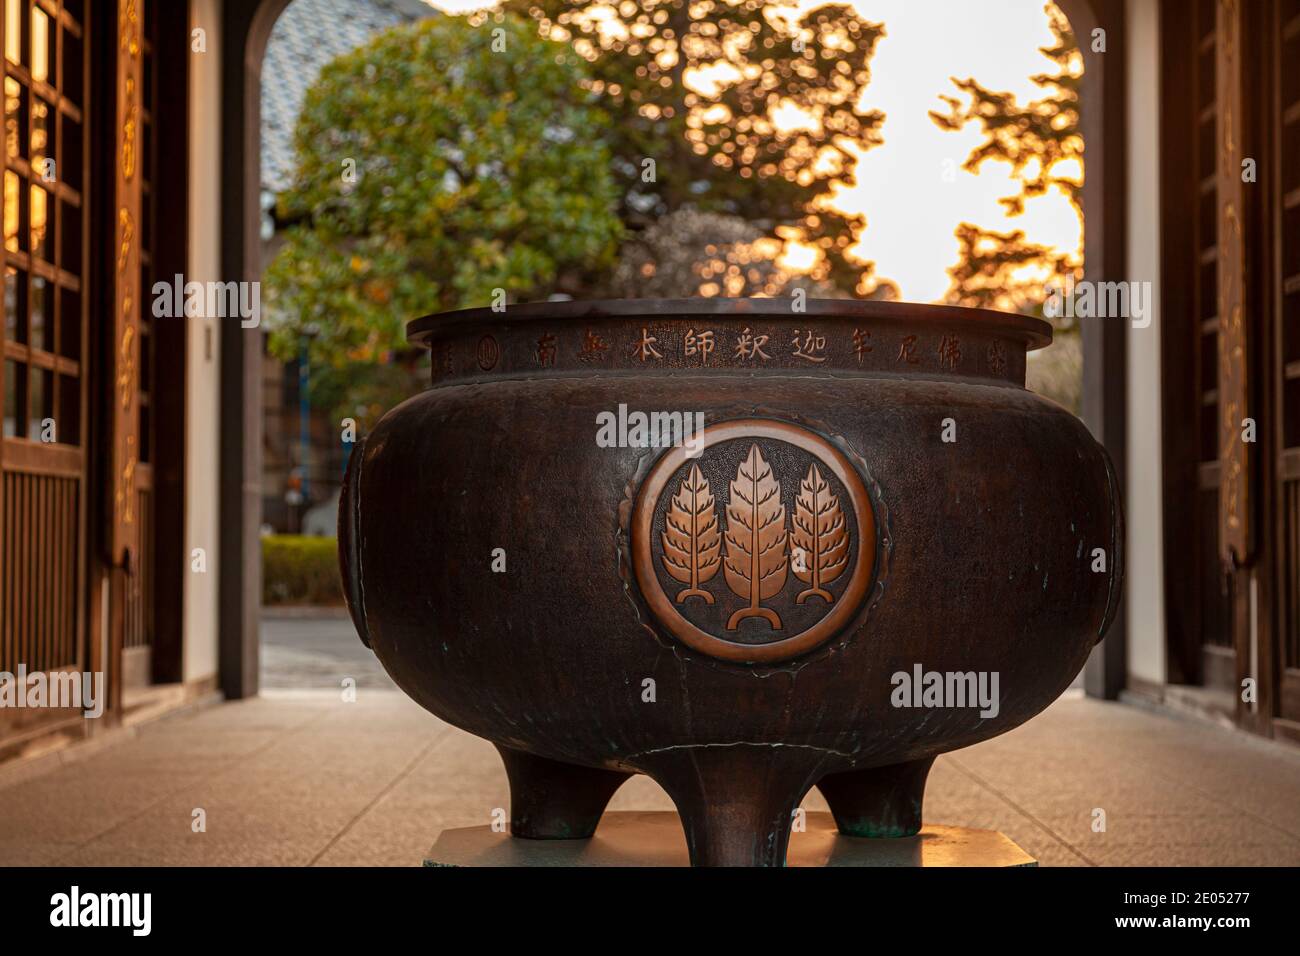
[
  {"x": 317, "y": 652},
  {"x": 298, "y": 776}
]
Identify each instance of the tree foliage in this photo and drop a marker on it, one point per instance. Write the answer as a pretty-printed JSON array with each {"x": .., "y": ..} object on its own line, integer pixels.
[
  {"x": 689, "y": 253},
  {"x": 742, "y": 108},
  {"x": 1040, "y": 139},
  {"x": 1042, "y": 143},
  {"x": 1003, "y": 270},
  {"x": 479, "y": 163}
]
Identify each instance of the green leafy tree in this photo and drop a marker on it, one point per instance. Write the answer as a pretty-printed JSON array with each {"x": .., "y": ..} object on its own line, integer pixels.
[
  {"x": 438, "y": 163},
  {"x": 737, "y": 107}
]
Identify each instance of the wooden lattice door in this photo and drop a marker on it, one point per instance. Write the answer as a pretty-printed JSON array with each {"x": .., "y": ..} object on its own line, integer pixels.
[
  {"x": 1197, "y": 594},
  {"x": 139, "y": 592},
  {"x": 150, "y": 358},
  {"x": 43, "y": 377}
]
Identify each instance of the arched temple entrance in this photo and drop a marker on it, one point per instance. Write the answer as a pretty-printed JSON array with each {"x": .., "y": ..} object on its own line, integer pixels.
[{"x": 247, "y": 26}]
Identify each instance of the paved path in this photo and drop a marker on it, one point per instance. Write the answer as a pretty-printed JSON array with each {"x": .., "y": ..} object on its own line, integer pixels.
[
  {"x": 301, "y": 777},
  {"x": 317, "y": 653}
]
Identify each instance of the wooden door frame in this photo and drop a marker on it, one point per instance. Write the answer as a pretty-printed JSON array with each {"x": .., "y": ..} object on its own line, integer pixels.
[
  {"x": 1255, "y": 641},
  {"x": 1272, "y": 716},
  {"x": 247, "y": 26},
  {"x": 170, "y": 251},
  {"x": 1103, "y": 111},
  {"x": 246, "y": 30},
  {"x": 1256, "y": 551},
  {"x": 106, "y": 577},
  {"x": 101, "y": 126},
  {"x": 1179, "y": 445}
]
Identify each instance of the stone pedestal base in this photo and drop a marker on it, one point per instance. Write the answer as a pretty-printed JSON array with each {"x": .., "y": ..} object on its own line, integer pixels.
[{"x": 656, "y": 839}]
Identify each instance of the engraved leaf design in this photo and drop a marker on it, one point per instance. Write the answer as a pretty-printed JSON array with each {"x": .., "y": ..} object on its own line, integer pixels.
[
  {"x": 819, "y": 530},
  {"x": 755, "y": 562},
  {"x": 691, "y": 538}
]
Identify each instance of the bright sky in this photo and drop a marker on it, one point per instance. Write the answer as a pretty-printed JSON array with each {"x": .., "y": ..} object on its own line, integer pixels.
[{"x": 911, "y": 210}]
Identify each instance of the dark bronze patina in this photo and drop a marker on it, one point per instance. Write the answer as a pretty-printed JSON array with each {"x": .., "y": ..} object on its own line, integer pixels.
[{"x": 728, "y": 615}]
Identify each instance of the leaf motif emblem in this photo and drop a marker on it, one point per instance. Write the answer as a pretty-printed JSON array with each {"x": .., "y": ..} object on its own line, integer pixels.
[
  {"x": 820, "y": 533},
  {"x": 691, "y": 538},
  {"x": 756, "y": 563}
]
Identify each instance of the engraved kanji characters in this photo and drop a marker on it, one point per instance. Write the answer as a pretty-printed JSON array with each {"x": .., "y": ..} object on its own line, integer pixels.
[
  {"x": 593, "y": 347},
  {"x": 699, "y": 343},
  {"x": 809, "y": 345},
  {"x": 997, "y": 356},
  {"x": 646, "y": 347},
  {"x": 750, "y": 345},
  {"x": 546, "y": 350},
  {"x": 949, "y": 352},
  {"x": 907, "y": 350},
  {"x": 861, "y": 343}
]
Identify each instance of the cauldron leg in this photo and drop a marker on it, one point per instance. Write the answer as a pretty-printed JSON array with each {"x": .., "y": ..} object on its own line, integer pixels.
[
  {"x": 550, "y": 800},
  {"x": 735, "y": 801},
  {"x": 880, "y": 802}
]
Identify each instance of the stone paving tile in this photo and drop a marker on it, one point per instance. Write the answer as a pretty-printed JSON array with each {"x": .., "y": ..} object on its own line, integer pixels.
[
  {"x": 198, "y": 851},
  {"x": 34, "y": 853},
  {"x": 68, "y": 806},
  {"x": 1162, "y": 780},
  {"x": 1126, "y": 829},
  {"x": 300, "y": 777},
  {"x": 1226, "y": 853},
  {"x": 281, "y": 806},
  {"x": 316, "y": 652},
  {"x": 88, "y": 799},
  {"x": 1065, "y": 797},
  {"x": 457, "y": 782},
  {"x": 954, "y": 798}
]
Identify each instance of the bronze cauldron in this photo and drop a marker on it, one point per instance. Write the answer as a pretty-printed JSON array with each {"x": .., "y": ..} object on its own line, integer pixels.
[{"x": 878, "y": 547}]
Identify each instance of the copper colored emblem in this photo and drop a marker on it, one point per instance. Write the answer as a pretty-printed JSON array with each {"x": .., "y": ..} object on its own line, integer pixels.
[{"x": 795, "y": 538}]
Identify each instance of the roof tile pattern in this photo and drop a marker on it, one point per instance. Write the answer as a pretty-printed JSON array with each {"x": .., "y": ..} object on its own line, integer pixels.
[{"x": 308, "y": 35}]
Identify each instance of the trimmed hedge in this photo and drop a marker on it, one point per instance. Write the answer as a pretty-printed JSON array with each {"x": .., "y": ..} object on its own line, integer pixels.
[{"x": 297, "y": 569}]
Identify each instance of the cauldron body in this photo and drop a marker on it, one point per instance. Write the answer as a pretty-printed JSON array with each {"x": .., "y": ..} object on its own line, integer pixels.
[{"x": 946, "y": 520}]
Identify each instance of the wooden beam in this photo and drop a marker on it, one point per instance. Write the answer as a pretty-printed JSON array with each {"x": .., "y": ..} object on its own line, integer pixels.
[
  {"x": 1102, "y": 119},
  {"x": 124, "y": 358},
  {"x": 1240, "y": 334},
  {"x": 246, "y": 28},
  {"x": 1236, "y": 529},
  {"x": 171, "y": 250},
  {"x": 1179, "y": 329}
]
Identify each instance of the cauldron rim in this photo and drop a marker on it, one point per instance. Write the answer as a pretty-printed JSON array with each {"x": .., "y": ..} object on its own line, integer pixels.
[{"x": 1034, "y": 332}]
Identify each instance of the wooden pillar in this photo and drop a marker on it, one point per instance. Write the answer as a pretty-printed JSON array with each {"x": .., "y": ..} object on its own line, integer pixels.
[
  {"x": 246, "y": 28},
  {"x": 170, "y": 253},
  {"x": 124, "y": 443},
  {"x": 1236, "y": 345},
  {"x": 1102, "y": 118}
]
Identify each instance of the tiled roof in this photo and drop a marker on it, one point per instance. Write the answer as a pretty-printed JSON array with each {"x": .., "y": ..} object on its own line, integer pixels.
[{"x": 308, "y": 35}]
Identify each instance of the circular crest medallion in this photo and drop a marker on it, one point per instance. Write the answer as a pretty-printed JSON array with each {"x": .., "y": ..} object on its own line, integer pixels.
[
  {"x": 488, "y": 352},
  {"x": 755, "y": 544}
]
